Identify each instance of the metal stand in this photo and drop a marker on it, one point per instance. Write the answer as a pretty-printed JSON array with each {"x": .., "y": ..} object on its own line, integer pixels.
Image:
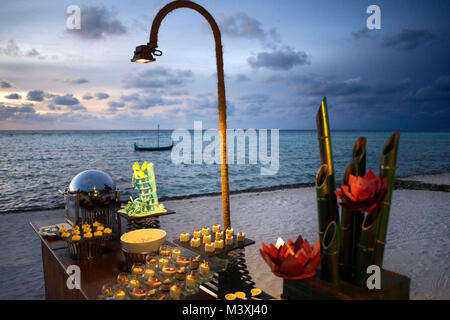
[
  {"x": 236, "y": 277},
  {"x": 136, "y": 222},
  {"x": 143, "y": 224}
]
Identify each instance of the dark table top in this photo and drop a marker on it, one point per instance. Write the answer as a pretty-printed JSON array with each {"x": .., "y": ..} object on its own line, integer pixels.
[
  {"x": 94, "y": 273},
  {"x": 154, "y": 215}
]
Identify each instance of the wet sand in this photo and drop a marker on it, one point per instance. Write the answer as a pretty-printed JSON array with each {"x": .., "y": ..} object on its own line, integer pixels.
[{"x": 418, "y": 238}]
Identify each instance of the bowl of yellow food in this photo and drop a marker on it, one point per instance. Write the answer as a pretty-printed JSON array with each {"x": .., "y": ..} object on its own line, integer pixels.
[{"x": 143, "y": 240}]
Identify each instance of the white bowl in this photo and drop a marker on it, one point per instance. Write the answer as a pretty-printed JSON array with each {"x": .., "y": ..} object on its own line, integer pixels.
[{"x": 143, "y": 240}]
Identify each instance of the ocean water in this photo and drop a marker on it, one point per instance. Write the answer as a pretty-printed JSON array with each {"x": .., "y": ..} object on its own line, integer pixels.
[{"x": 34, "y": 165}]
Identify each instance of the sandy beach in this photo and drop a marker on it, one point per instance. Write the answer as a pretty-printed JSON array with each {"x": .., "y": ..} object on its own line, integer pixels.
[{"x": 417, "y": 245}]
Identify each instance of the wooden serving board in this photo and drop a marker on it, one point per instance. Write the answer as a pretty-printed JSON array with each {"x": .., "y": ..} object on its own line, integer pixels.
[{"x": 201, "y": 250}]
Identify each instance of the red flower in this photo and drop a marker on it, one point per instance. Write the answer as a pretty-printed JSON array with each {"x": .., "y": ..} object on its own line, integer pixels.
[
  {"x": 363, "y": 194},
  {"x": 292, "y": 260}
]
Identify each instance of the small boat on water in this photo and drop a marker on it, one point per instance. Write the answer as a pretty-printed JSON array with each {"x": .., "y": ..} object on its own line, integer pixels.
[
  {"x": 157, "y": 148},
  {"x": 137, "y": 148}
]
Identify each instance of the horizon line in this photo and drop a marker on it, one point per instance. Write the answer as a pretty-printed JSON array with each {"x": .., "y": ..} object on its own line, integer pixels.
[{"x": 192, "y": 129}]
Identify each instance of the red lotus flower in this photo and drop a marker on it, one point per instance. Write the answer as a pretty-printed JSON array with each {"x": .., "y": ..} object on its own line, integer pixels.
[
  {"x": 293, "y": 260},
  {"x": 363, "y": 193}
]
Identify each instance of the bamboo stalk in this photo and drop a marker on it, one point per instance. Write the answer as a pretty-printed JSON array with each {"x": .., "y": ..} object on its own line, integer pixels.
[
  {"x": 359, "y": 161},
  {"x": 326, "y": 156},
  {"x": 387, "y": 170},
  {"x": 347, "y": 233},
  {"x": 359, "y": 156},
  {"x": 330, "y": 258},
  {"x": 366, "y": 246},
  {"x": 323, "y": 202},
  {"x": 358, "y": 220}
]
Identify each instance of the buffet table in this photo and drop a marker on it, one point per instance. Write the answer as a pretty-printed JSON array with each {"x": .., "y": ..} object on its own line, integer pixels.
[{"x": 95, "y": 273}]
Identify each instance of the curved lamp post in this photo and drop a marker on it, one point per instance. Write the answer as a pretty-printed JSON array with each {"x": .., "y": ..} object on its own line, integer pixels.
[{"x": 146, "y": 53}]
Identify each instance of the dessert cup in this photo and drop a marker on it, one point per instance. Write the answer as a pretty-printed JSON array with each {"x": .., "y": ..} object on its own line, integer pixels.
[
  {"x": 191, "y": 284},
  {"x": 138, "y": 269},
  {"x": 138, "y": 294},
  {"x": 120, "y": 294},
  {"x": 151, "y": 261},
  {"x": 108, "y": 291},
  {"x": 122, "y": 279},
  {"x": 153, "y": 283}
]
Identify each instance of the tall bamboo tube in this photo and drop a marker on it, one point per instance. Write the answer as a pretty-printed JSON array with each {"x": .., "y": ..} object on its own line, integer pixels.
[
  {"x": 347, "y": 233},
  {"x": 366, "y": 246},
  {"x": 330, "y": 258},
  {"x": 387, "y": 170},
  {"x": 153, "y": 42},
  {"x": 359, "y": 161},
  {"x": 359, "y": 156},
  {"x": 326, "y": 156},
  {"x": 323, "y": 200}
]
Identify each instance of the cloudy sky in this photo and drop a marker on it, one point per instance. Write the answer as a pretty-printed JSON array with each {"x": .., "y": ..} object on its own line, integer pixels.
[{"x": 280, "y": 59}]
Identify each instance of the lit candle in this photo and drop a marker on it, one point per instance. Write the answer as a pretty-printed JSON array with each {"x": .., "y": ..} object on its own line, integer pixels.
[{"x": 279, "y": 243}]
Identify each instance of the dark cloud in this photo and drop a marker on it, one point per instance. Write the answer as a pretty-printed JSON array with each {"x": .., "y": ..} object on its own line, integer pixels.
[
  {"x": 27, "y": 115},
  {"x": 55, "y": 101},
  {"x": 12, "y": 49},
  {"x": 389, "y": 88},
  {"x": 443, "y": 82},
  {"x": 157, "y": 78},
  {"x": 142, "y": 22},
  {"x": 7, "y": 112},
  {"x": 36, "y": 95},
  {"x": 254, "y": 98},
  {"x": 116, "y": 104},
  {"x": 15, "y": 96},
  {"x": 101, "y": 95},
  {"x": 364, "y": 33},
  {"x": 242, "y": 26},
  {"x": 178, "y": 92},
  {"x": 87, "y": 96},
  {"x": 5, "y": 84},
  {"x": 77, "y": 81},
  {"x": 32, "y": 53},
  {"x": 204, "y": 106},
  {"x": 408, "y": 39},
  {"x": 66, "y": 100},
  {"x": 131, "y": 97},
  {"x": 254, "y": 103},
  {"x": 76, "y": 107},
  {"x": 317, "y": 86},
  {"x": 279, "y": 59},
  {"x": 149, "y": 102},
  {"x": 242, "y": 77},
  {"x": 352, "y": 96},
  {"x": 137, "y": 101},
  {"x": 98, "y": 23},
  {"x": 437, "y": 91},
  {"x": 53, "y": 107},
  {"x": 356, "y": 104}
]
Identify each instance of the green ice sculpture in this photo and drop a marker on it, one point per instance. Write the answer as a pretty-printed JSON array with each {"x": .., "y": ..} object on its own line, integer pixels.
[{"x": 143, "y": 181}]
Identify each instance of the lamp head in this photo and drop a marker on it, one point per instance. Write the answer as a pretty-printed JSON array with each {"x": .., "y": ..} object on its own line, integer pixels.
[{"x": 145, "y": 53}]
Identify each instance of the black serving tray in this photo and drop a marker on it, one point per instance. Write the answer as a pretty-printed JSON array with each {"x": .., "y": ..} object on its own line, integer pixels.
[{"x": 217, "y": 252}]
